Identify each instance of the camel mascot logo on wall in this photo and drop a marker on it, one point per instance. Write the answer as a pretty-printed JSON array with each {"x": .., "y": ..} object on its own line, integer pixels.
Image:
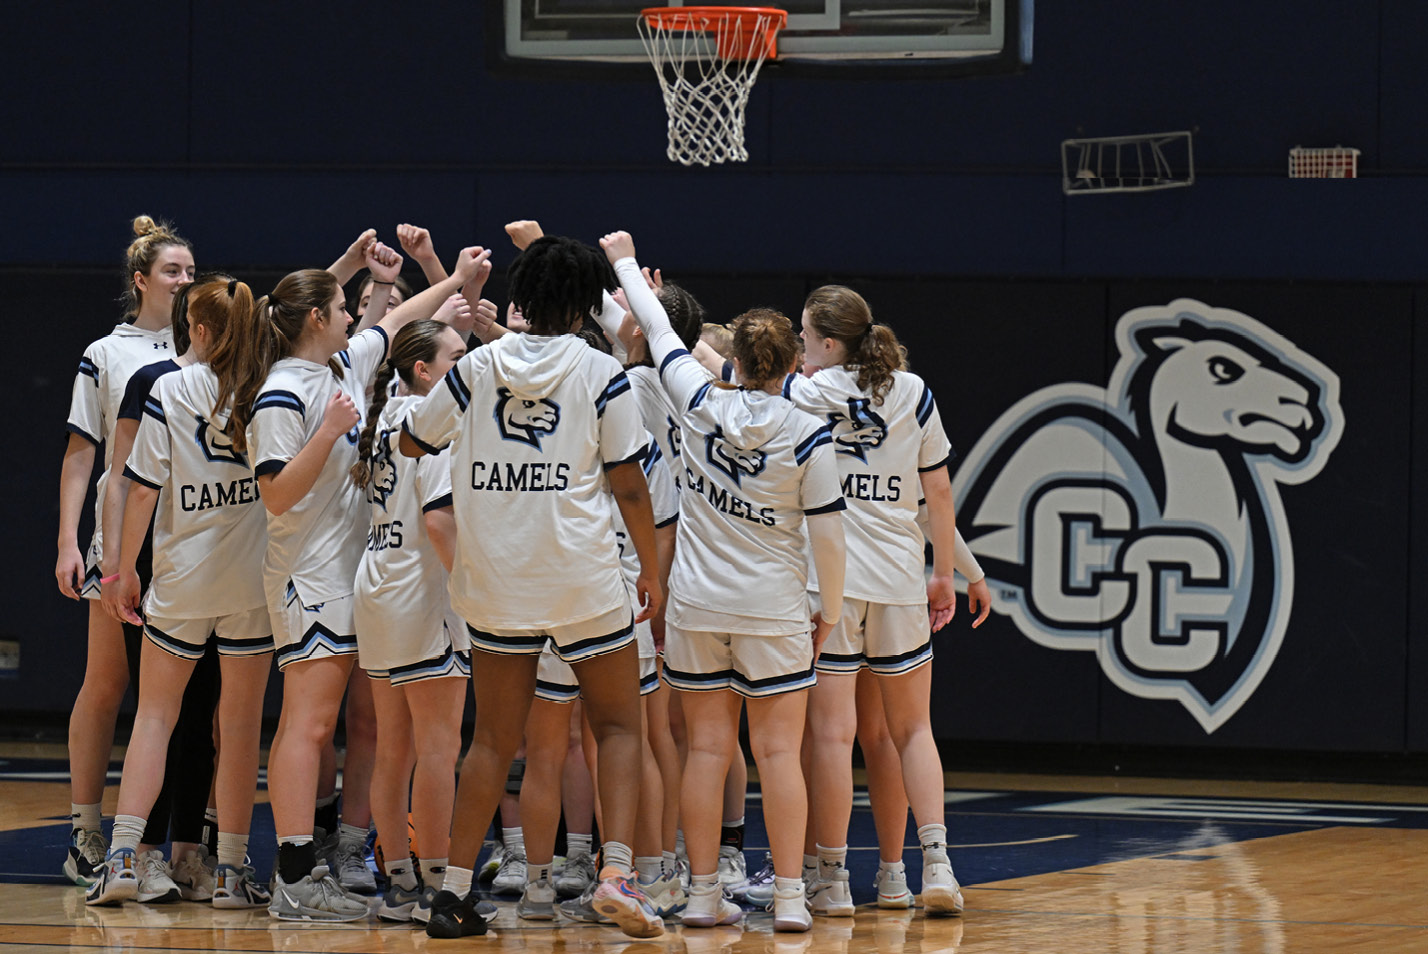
[{"x": 1143, "y": 520}]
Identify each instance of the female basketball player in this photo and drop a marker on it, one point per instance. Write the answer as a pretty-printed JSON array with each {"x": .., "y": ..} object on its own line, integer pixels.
[
  {"x": 414, "y": 650},
  {"x": 757, "y": 473},
  {"x": 297, "y": 394},
  {"x": 551, "y": 435},
  {"x": 891, "y": 452},
  {"x": 158, "y": 262},
  {"x": 209, "y": 505}
]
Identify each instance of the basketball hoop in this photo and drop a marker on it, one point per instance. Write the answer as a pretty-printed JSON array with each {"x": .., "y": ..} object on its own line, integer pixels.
[{"x": 707, "y": 59}]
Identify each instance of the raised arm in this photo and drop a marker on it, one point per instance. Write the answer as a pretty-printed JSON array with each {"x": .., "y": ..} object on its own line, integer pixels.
[
  {"x": 416, "y": 242},
  {"x": 74, "y": 484},
  {"x": 350, "y": 261},
  {"x": 427, "y": 303},
  {"x": 385, "y": 265}
]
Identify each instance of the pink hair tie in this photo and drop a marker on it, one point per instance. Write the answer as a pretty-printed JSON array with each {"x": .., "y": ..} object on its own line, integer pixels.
[{"x": 105, "y": 581}]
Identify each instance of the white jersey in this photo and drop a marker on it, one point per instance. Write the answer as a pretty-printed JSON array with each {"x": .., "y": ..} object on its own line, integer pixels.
[
  {"x": 104, "y": 373},
  {"x": 400, "y": 579},
  {"x": 209, "y": 531},
  {"x": 881, "y": 451},
  {"x": 753, "y": 467},
  {"x": 535, "y": 422},
  {"x": 660, "y": 415},
  {"x": 315, "y": 544},
  {"x": 664, "y": 500}
]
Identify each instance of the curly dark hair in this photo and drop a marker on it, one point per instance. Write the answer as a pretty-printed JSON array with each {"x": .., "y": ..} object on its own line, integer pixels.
[{"x": 557, "y": 281}]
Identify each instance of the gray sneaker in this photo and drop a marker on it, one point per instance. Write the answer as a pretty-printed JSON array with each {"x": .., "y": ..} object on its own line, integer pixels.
[
  {"x": 579, "y": 874},
  {"x": 537, "y": 902},
  {"x": 317, "y": 897},
  {"x": 511, "y": 876},
  {"x": 758, "y": 890},
  {"x": 238, "y": 888},
  {"x": 398, "y": 904},
  {"x": 87, "y": 850},
  {"x": 583, "y": 907},
  {"x": 352, "y": 871}
]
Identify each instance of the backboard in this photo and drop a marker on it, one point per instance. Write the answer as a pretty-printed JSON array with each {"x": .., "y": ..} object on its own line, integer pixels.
[{"x": 992, "y": 34}]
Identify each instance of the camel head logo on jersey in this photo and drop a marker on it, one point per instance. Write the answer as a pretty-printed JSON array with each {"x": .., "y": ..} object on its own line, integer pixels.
[
  {"x": 858, "y": 431},
  {"x": 1143, "y": 521},
  {"x": 216, "y": 445},
  {"x": 524, "y": 420},
  {"x": 383, "y": 482},
  {"x": 731, "y": 460}
]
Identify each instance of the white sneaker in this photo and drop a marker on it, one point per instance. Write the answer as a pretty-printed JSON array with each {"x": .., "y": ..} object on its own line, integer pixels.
[
  {"x": 352, "y": 871},
  {"x": 238, "y": 888},
  {"x": 193, "y": 876},
  {"x": 316, "y": 897},
  {"x": 493, "y": 862},
  {"x": 156, "y": 883},
  {"x": 87, "y": 850},
  {"x": 116, "y": 879},
  {"x": 511, "y": 876},
  {"x": 667, "y": 896},
  {"x": 537, "y": 901},
  {"x": 892, "y": 888},
  {"x": 624, "y": 902},
  {"x": 577, "y": 875},
  {"x": 941, "y": 894},
  {"x": 707, "y": 907},
  {"x": 732, "y": 868},
  {"x": 832, "y": 898},
  {"x": 790, "y": 910}
]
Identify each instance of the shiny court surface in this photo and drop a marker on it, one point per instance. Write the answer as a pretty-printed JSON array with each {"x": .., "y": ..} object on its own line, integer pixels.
[{"x": 1048, "y": 863}]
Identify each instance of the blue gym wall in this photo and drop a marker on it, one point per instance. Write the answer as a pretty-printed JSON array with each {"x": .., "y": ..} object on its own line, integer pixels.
[{"x": 274, "y": 132}]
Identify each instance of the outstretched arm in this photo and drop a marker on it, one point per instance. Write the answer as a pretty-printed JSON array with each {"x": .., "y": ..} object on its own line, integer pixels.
[
  {"x": 426, "y": 304},
  {"x": 385, "y": 265},
  {"x": 350, "y": 261},
  {"x": 416, "y": 242}
]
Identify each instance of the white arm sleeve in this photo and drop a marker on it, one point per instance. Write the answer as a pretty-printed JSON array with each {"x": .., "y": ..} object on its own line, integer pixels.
[
  {"x": 608, "y": 318},
  {"x": 965, "y": 563},
  {"x": 825, "y": 536}
]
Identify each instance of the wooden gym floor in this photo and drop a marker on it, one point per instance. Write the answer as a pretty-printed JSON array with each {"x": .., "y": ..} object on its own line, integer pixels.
[{"x": 1048, "y": 863}]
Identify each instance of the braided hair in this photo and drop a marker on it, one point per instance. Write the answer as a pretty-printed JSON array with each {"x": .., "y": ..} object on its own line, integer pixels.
[{"x": 418, "y": 341}]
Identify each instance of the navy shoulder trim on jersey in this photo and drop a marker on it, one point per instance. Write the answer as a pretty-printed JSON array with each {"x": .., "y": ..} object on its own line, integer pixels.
[
  {"x": 665, "y": 523},
  {"x": 634, "y": 458},
  {"x": 458, "y": 390},
  {"x": 141, "y": 386},
  {"x": 677, "y": 352},
  {"x": 269, "y": 467},
  {"x": 653, "y": 457},
  {"x": 834, "y": 507},
  {"x": 345, "y": 358},
  {"x": 941, "y": 463},
  {"x": 386, "y": 341},
  {"x": 154, "y": 409},
  {"x": 698, "y": 398},
  {"x": 925, "y": 405},
  {"x": 824, "y": 435},
  {"x": 285, "y": 399},
  {"x": 140, "y": 480},
  {"x": 726, "y": 373},
  {"x": 788, "y": 386},
  {"x": 87, "y": 367},
  {"x": 426, "y": 448},
  {"x": 76, "y": 429},
  {"x": 618, "y": 385},
  {"x": 443, "y": 501}
]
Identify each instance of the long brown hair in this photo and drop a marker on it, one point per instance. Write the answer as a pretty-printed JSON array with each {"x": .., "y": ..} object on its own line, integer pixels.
[
  {"x": 838, "y": 312},
  {"x": 262, "y": 336},
  {"x": 418, "y": 341}
]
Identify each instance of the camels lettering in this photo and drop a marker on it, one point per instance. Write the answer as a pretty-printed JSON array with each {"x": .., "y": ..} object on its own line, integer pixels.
[{"x": 1143, "y": 520}]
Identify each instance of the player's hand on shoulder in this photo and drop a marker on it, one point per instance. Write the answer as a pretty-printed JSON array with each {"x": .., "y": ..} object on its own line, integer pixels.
[
  {"x": 523, "y": 232},
  {"x": 618, "y": 245}
]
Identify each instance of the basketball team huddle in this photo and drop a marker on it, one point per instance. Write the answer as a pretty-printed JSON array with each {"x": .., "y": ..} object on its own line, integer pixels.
[{"x": 622, "y": 537}]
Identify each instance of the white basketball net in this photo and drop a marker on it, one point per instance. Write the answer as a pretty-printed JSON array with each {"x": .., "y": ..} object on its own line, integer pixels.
[{"x": 704, "y": 92}]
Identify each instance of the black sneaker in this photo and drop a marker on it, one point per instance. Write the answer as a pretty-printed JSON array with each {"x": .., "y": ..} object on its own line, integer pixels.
[{"x": 454, "y": 917}]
